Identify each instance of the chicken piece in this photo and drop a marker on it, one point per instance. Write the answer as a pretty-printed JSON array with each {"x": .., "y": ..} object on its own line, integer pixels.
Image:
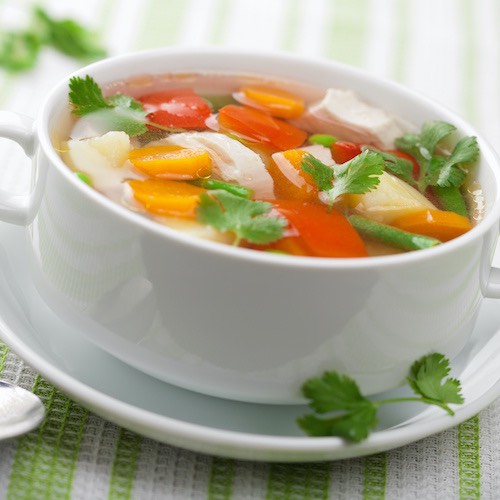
[
  {"x": 342, "y": 114},
  {"x": 232, "y": 161}
]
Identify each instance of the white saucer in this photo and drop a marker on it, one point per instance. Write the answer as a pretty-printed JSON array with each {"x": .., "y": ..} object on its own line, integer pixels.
[{"x": 117, "y": 392}]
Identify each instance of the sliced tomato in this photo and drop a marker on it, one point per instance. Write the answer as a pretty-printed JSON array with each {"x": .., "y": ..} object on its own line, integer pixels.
[
  {"x": 343, "y": 151},
  {"x": 176, "y": 108},
  {"x": 318, "y": 231},
  {"x": 259, "y": 127}
]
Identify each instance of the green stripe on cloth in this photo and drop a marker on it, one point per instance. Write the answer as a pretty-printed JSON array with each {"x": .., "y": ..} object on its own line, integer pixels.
[
  {"x": 4, "y": 351},
  {"x": 46, "y": 459},
  {"x": 374, "y": 481},
  {"x": 347, "y": 31},
  {"x": 287, "y": 481},
  {"x": 469, "y": 468},
  {"x": 221, "y": 18},
  {"x": 291, "y": 26},
  {"x": 221, "y": 479},
  {"x": 124, "y": 465},
  {"x": 469, "y": 66},
  {"x": 402, "y": 28},
  {"x": 162, "y": 23}
]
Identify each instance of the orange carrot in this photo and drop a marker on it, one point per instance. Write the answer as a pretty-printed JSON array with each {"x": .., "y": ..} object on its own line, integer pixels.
[
  {"x": 317, "y": 230},
  {"x": 276, "y": 102},
  {"x": 257, "y": 126},
  {"x": 172, "y": 162},
  {"x": 290, "y": 181},
  {"x": 169, "y": 198},
  {"x": 439, "y": 224}
]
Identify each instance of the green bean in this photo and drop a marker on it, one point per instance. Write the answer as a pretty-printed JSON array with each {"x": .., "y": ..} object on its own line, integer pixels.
[
  {"x": 391, "y": 235},
  {"x": 235, "y": 189}
]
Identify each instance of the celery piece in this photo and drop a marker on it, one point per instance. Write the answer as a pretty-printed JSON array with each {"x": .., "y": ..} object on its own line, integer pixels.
[
  {"x": 235, "y": 189},
  {"x": 391, "y": 235},
  {"x": 322, "y": 139},
  {"x": 451, "y": 199}
]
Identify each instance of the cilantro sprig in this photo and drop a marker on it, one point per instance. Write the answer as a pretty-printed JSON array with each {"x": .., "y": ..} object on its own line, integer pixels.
[
  {"x": 249, "y": 220},
  {"x": 436, "y": 167},
  {"x": 357, "y": 176},
  {"x": 118, "y": 112},
  {"x": 355, "y": 416},
  {"x": 19, "y": 50}
]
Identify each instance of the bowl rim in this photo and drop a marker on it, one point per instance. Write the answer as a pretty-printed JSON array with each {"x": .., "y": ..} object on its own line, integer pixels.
[{"x": 490, "y": 158}]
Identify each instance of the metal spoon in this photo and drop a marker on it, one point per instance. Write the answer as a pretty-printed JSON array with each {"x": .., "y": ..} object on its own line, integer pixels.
[{"x": 20, "y": 410}]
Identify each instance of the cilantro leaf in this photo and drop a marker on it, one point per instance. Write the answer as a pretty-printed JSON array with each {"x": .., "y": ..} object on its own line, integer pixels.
[
  {"x": 450, "y": 174},
  {"x": 67, "y": 36},
  {"x": 86, "y": 96},
  {"x": 332, "y": 392},
  {"x": 356, "y": 416},
  {"x": 322, "y": 174},
  {"x": 19, "y": 50},
  {"x": 426, "y": 379},
  {"x": 357, "y": 176},
  {"x": 118, "y": 112},
  {"x": 398, "y": 166},
  {"x": 247, "y": 219},
  {"x": 354, "y": 426},
  {"x": 437, "y": 169}
]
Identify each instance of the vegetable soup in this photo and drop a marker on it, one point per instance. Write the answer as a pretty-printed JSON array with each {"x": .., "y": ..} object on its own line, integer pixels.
[{"x": 272, "y": 165}]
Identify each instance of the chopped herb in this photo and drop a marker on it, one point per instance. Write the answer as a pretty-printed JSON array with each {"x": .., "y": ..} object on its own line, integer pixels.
[
  {"x": 248, "y": 220},
  {"x": 67, "y": 36},
  {"x": 438, "y": 169},
  {"x": 19, "y": 49},
  {"x": 355, "y": 416},
  {"x": 357, "y": 176},
  {"x": 118, "y": 112},
  {"x": 400, "y": 167}
]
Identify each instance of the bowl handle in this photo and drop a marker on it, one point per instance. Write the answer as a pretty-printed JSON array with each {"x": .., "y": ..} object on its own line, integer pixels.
[
  {"x": 17, "y": 208},
  {"x": 492, "y": 288}
]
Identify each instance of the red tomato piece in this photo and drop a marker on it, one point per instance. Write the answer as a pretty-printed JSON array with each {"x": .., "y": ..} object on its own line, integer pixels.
[
  {"x": 343, "y": 151},
  {"x": 260, "y": 127},
  {"x": 176, "y": 108},
  {"x": 321, "y": 231}
]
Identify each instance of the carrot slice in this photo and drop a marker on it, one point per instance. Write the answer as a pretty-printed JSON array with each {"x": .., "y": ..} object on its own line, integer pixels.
[
  {"x": 172, "y": 162},
  {"x": 169, "y": 198},
  {"x": 290, "y": 181},
  {"x": 257, "y": 126},
  {"x": 276, "y": 102},
  {"x": 439, "y": 224},
  {"x": 319, "y": 231}
]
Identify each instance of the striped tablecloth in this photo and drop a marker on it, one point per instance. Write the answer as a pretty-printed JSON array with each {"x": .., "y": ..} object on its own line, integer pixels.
[{"x": 449, "y": 50}]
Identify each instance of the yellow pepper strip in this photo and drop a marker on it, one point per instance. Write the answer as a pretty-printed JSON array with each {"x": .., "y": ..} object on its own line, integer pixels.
[
  {"x": 172, "y": 162},
  {"x": 439, "y": 224},
  {"x": 276, "y": 102},
  {"x": 167, "y": 198}
]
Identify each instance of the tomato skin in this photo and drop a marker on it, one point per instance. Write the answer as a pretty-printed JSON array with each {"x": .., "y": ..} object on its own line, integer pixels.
[
  {"x": 343, "y": 151},
  {"x": 176, "y": 108},
  {"x": 260, "y": 127},
  {"x": 321, "y": 231}
]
